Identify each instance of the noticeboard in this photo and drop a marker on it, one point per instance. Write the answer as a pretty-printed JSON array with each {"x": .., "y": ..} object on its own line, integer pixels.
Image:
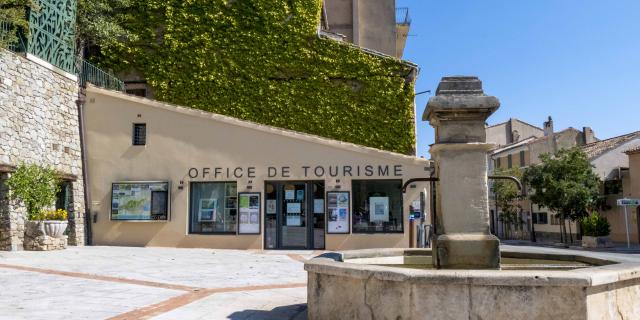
[
  {"x": 249, "y": 213},
  {"x": 338, "y": 213}
]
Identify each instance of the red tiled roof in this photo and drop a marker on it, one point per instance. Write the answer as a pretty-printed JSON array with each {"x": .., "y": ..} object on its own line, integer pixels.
[{"x": 597, "y": 148}]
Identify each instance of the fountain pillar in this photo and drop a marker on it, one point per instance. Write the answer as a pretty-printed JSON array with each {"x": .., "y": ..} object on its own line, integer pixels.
[{"x": 458, "y": 112}]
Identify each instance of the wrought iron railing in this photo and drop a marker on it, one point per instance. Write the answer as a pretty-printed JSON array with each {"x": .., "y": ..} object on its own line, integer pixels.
[
  {"x": 402, "y": 16},
  {"x": 87, "y": 72}
]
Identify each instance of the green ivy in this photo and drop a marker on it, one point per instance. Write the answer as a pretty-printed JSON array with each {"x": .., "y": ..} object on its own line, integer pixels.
[{"x": 263, "y": 61}]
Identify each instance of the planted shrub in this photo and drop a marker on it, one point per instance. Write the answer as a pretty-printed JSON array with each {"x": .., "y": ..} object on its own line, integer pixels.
[
  {"x": 59, "y": 215},
  {"x": 596, "y": 225},
  {"x": 35, "y": 186}
]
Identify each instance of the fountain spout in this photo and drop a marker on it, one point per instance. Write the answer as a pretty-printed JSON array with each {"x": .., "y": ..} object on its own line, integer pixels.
[{"x": 458, "y": 113}]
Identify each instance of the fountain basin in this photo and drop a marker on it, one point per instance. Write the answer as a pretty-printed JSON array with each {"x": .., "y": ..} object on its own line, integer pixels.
[{"x": 385, "y": 284}]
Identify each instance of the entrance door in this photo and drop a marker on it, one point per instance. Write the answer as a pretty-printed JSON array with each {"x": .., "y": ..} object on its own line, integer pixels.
[{"x": 294, "y": 215}]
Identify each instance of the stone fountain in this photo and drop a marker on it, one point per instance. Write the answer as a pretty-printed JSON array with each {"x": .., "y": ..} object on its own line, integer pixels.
[{"x": 467, "y": 276}]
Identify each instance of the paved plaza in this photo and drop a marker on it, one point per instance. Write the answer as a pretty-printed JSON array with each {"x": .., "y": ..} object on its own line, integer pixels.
[
  {"x": 160, "y": 283},
  {"x": 152, "y": 283}
]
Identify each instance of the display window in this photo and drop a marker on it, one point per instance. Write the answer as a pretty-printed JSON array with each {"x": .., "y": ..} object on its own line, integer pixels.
[
  {"x": 213, "y": 208},
  {"x": 140, "y": 201},
  {"x": 377, "y": 206}
]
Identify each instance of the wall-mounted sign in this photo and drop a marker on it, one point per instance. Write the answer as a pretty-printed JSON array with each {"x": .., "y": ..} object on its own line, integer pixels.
[
  {"x": 310, "y": 171},
  {"x": 628, "y": 202},
  {"x": 338, "y": 213},
  {"x": 249, "y": 210},
  {"x": 142, "y": 201}
]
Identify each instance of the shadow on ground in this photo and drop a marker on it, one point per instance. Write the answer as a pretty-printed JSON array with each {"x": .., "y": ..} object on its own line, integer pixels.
[{"x": 291, "y": 312}]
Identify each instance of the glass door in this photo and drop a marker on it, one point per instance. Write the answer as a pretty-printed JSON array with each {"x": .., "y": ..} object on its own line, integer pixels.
[
  {"x": 294, "y": 215},
  {"x": 293, "y": 222}
]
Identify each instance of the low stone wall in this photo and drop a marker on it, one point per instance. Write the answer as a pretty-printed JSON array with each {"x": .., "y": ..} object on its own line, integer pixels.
[
  {"x": 35, "y": 238},
  {"x": 38, "y": 124},
  {"x": 342, "y": 290}
]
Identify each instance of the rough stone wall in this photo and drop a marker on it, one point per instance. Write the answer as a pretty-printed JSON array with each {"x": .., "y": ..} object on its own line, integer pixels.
[{"x": 38, "y": 124}]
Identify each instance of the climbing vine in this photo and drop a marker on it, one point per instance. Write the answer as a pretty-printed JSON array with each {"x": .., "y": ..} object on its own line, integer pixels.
[{"x": 263, "y": 61}]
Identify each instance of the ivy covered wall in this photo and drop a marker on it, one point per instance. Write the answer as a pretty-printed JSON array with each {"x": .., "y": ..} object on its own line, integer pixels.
[{"x": 262, "y": 61}]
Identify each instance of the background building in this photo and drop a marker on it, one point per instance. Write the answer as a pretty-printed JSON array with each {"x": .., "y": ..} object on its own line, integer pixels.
[
  {"x": 373, "y": 24},
  {"x": 520, "y": 145},
  {"x": 613, "y": 161}
]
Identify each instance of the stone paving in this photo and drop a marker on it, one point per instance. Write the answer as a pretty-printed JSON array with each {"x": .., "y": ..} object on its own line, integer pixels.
[
  {"x": 143, "y": 283},
  {"x": 160, "y": 283}
]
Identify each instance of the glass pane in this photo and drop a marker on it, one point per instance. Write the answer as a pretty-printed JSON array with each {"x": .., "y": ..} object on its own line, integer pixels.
[
  {"x": 377, "y": 206},
  {"x": 293, "y": 216},
  {"x": 270, "y": 227},
  {"x": 213, "y": 207}
]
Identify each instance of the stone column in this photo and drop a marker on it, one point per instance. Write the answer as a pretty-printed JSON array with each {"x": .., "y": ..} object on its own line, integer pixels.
[{"x": 458, "y": 112}]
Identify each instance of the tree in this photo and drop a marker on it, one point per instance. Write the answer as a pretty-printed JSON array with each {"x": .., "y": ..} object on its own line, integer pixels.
[
  {"x": 13, "y": 18},
  {"x": 564, "y": 182},
  {"x": 100, "y": 23},
  {"x": 507, "y": 196}
]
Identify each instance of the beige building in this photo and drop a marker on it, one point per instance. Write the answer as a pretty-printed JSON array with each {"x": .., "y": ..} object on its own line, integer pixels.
[
  {"x": 615, "y": 161},
  {"x": 164, "y": 175},
  {"x": 520, "y": 145},
  {"x": 372, "y": 24}
]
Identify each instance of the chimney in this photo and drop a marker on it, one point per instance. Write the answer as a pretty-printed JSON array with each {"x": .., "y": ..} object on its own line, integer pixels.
[
  {"x": 548, "y": 127},
  {"x": 588, "y": 135}
]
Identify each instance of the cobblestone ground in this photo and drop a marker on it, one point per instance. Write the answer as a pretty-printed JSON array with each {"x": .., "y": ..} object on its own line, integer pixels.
[{"x": 152, "y": 283}]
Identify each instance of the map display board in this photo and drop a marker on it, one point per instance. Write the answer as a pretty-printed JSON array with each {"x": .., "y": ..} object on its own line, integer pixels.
[{"x": 143, "y": 201}]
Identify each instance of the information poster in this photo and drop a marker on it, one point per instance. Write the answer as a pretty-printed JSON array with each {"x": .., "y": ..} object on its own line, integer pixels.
[
  {"x": 207, "y": 209},
  {"x": 290, "y": 194},
  {"x": 133, "y": 200},
  {"x": 249, "y": 209},
  {"x": 271, "y": 206},
  {"x": 379, "y": 209},
  {"x": 338, "y": 212},
  {"x": 294, "y": 211}
]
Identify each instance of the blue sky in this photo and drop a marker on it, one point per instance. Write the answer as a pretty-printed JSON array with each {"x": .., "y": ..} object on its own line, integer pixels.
[{"x": 575, "y": 60}]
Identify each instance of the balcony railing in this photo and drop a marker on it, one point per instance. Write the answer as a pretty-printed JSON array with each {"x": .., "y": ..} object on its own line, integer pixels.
[
  {"x": 402, "y": 16},
  {"x": 87, "y": 72}
]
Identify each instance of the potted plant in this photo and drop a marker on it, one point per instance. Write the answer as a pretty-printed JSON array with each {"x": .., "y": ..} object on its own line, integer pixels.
[
  {"x": 37, "y": 187},
  {"x": 596, "y": 230}
]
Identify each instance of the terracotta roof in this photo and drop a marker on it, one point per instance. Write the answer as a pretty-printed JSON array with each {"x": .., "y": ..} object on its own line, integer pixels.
[
  {"x": 633, "y": 150},
  {"x": 597, "y": 148}
]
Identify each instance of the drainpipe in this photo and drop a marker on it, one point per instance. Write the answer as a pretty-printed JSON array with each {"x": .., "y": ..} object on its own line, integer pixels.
[{"x": 85, "y": 168}]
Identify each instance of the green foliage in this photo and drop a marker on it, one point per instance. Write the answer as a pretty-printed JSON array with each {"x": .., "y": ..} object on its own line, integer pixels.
[
  {"x": 263, "y": 61},
  {"x": 100, "y": 22},
  {"x": 35, "y": 186},
  {"x": 595, "y": 225},
  {"x": 13, "y": 18},
  {"x": 565, "y": 183},
  {"x": 508, "y": 195}
]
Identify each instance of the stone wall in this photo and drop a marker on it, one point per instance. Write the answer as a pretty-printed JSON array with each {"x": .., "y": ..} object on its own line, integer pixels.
[{"x": 38, "y": 124}]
